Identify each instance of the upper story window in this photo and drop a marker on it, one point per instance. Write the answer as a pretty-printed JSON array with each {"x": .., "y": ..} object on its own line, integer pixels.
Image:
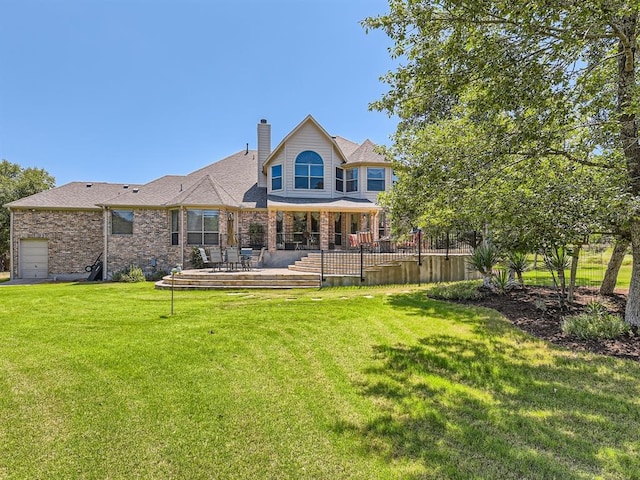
[
  {"x": 309, "y": 171},
  {"x": 339, "y": 179},
  {"x": 122, "y": 222},
  {"x": 276, "y": 177},
  {"x": 352, "y": 180},
  {"x": 375, "y": 179},
  {"x": 202, "y": 227}
]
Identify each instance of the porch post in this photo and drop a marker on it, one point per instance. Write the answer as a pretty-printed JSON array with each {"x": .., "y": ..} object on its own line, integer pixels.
[
  {"x": 324, "y": 230},
  {"x": 271, "y": 231},
  {"x": 375, "y": 224},
  {"x": 223, "y": 239}
]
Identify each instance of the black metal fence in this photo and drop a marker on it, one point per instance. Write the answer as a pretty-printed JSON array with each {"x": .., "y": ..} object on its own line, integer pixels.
[{"x": 362, "y": 253}]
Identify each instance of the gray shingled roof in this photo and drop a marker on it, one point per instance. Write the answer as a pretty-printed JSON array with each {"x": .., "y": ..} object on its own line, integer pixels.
[
  {"x": 346, "y": 146},
  {"x": 231, "y": 181},
  {"x": 205, "y": 192},
  {"x": 366, "y": 153},
  {"x": 80, "y": 195}
]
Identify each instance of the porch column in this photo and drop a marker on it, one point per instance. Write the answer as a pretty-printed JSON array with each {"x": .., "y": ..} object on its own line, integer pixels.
[
  {"x": 324, "y": 230},
  {"x": 271, "y": 231},
  {"x": 375, "y": 223},
  {"x": 223, "y": 239}
]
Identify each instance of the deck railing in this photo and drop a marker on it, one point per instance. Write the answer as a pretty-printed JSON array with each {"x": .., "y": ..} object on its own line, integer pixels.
[{"x": 364, "y": 252}]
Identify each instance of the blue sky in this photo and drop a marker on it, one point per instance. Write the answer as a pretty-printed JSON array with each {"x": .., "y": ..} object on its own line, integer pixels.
[{"x": 129, "y": 90}]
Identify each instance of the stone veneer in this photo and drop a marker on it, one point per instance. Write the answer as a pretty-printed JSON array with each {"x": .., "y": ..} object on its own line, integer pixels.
[{"x": 74, "y": 237}]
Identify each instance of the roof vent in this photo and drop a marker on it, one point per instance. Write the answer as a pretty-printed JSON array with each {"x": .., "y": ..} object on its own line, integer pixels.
[
  {"x": 264, "y": 120},
  {"x": 136, "y": 190},
  {"x": 125, "y": 186},
  {"x": 89, "y": 185}
]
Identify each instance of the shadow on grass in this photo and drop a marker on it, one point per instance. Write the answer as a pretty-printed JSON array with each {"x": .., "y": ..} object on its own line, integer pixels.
[{"x": 490, "y": 405}]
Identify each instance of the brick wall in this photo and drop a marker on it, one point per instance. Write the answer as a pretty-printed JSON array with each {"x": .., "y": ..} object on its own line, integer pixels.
[
  {"x": 150, "y": 243},
  {"x": 75, "y": 238}
]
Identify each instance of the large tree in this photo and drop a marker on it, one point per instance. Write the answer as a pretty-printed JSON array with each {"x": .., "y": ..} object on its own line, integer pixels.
[
  {"x": 15, "y": 183},
  {"x": 511, "y": 86}
]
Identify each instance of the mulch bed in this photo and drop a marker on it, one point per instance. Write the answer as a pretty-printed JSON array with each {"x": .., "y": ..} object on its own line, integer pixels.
[{"x": 536, "y": 311}]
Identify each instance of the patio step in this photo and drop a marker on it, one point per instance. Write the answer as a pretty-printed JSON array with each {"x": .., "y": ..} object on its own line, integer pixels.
[{"x": 206, "y": 279}]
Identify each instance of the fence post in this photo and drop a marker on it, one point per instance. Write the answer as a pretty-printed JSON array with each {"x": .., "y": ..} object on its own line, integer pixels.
[
  {"x": 447, "y": 243},
  {"x": 361, "y": 263},
  {"x": 321, "y": 267}
]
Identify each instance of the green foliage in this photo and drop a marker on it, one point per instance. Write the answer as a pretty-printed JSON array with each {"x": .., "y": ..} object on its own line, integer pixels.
[
  {"x": 196, "y": 258},
  {"x": 501, "y": 281},
  {"x": 467, "y": 290},
  {"x": 483, "y": 260},
  {"x": 518, "y": 263},
  {"x": 15, "y": 183},
  {"x": 557, "y": 259},
  {"x": 130, "y": 274},
  {"x": 156, "y": 276},
  {"x": 595, "y": 323},
  {"x": 514, "y": 115}
]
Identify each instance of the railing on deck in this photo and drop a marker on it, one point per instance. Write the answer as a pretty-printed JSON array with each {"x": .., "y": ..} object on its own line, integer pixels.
[{"x": 364, "y": 252}]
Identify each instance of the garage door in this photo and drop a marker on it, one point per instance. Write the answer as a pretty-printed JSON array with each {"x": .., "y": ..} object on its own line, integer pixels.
[{"x": 34, "y": 258}]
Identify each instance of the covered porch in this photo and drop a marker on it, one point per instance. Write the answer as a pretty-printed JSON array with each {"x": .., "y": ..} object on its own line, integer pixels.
[{"x": 320, "y": 224}]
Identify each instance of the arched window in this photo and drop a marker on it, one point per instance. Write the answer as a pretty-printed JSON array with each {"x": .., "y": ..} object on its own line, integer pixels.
[{"x": 309, "y": 171}]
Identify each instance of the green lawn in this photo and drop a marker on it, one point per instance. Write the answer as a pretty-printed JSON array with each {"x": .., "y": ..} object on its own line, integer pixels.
[
  {"x": 99, "y": 381},
  {"x": 591, "y": 270}
]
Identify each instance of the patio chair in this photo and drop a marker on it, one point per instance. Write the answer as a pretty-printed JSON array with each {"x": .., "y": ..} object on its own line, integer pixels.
[
  {"x": 366, "y": 240},
  {"x": 233, "y": 258},
  {"x": 246, "y": 255},
  {"x": 353, "y": 241},
  {"x": 206, "y": 261},
  {"x": 215, "y": 257}
]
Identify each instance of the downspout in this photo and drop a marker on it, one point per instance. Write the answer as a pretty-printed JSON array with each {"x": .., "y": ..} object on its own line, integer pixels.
[
  {"x": 105, "y": 253},
  {"x": 11, "y": 262},
  {"x": 181, "y": 236}
]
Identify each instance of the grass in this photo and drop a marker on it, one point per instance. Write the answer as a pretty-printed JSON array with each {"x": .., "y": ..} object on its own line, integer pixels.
[
  {"x": 591, "y": 270},
  {"x": 5, "y": 277},
  {"x": 98, "y": 381}
]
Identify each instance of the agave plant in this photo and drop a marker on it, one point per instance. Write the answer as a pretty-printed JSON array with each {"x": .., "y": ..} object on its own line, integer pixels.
[
  {"x": 483, "y": 260},
  {"x": 517, "y": 263},
  {"x": 557, "y": 260}
]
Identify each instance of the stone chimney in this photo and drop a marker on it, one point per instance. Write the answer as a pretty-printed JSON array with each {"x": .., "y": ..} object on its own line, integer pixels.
[{"x": 264, "y": 149}]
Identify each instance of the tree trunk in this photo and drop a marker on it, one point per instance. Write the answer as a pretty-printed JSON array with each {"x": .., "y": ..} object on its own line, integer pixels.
[
  {"x": 615, "y": 262},
  {"x": 575, "y": 254},
  {"x": 631, "y": 149},
  {"x": 632, "y": 313}
]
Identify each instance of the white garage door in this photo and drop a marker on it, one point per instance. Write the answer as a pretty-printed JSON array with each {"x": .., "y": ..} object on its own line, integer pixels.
[{"x": 34, "y": 258}]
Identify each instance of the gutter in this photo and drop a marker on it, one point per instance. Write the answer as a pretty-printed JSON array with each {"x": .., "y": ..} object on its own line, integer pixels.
[
  {"x": 105, "y": 253},
  {"x": 11, "y": 262}
]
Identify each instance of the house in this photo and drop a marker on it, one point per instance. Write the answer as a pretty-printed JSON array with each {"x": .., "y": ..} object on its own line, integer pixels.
[{"x": 308, "y": 192}]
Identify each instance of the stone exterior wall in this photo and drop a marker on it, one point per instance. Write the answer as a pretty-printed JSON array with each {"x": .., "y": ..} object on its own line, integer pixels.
[
  {"x": 149, "y": 247},
  {"x": 253, "y": 216},
  {"x": 75, "y": 238}
]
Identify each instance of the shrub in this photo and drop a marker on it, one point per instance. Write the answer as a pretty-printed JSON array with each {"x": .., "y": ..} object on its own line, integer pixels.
[
  {"x": 455, "y": 291},
  {"x": 501, "y": 281},
  {"x": 157, "y": 275},
  {"x": 131, "y": 274},
  {"x": 595, "y": 323},
  {"x": 482, "y": 260},
  {"x": 518, "y": 263}
]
